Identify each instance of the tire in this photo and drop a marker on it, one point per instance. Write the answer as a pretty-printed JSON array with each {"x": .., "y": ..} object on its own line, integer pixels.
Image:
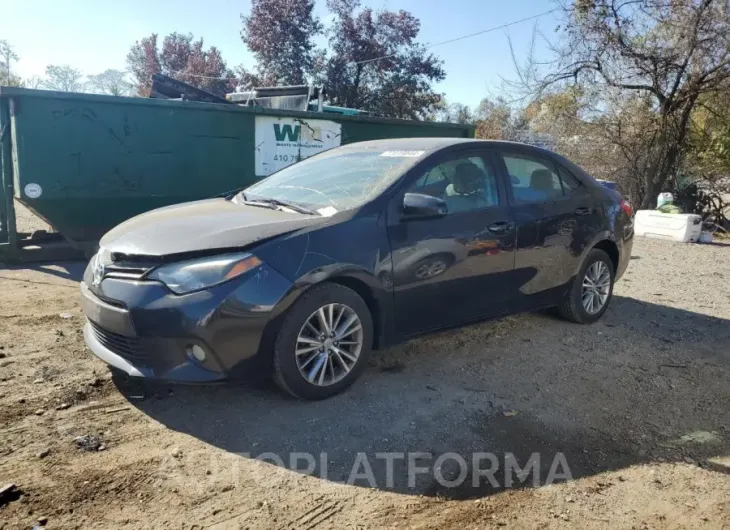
[
  {"x": 572, "y": 307},
  {"x": 287, "y": 369}
]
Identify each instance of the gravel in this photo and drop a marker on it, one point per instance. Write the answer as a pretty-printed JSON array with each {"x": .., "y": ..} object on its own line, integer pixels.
[{"x": 637, "y": 403}]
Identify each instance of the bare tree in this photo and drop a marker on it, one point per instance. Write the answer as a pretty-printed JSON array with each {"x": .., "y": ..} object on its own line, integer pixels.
[
  {"x": 660, "y": 56},
  {"x": 454, "y": 113},
  {"x": 7, "y": 56},
  {"x": 110, "y": 82},
  {"x": 63, "y": 78},
  {"x": 33, "y": 81}
]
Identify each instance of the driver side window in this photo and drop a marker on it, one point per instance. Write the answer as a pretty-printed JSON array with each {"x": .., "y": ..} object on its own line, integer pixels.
[{"x": 463, "y": 182}]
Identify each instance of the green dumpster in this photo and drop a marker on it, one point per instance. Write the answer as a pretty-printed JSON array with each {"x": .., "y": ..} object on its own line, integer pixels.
[{"x": 85, "y": 163}]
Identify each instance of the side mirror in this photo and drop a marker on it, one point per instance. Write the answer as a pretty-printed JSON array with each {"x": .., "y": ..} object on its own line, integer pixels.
[{"x": 420, "y": 206}]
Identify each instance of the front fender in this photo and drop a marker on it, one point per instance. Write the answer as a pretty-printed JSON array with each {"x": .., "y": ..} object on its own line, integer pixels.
[{"x": 367, "y": 285}]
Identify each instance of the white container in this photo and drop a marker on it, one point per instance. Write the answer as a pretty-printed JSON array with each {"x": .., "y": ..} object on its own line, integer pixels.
[
  {"x": 705, "y": 237},
  {"x": 682, "y": 227}
]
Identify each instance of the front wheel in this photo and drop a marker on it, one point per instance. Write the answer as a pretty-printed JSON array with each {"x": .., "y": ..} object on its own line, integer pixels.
[
  {"x": 591, "y": 291},
  {"x": 323, "y": 343}
]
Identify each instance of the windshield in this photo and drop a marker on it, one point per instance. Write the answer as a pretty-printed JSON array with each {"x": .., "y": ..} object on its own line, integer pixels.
[{"x": 339, "y": 179}]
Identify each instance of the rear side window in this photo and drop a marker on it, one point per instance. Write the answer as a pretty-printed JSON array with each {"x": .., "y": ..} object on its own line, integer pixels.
[{"x": 532, "y": 179}]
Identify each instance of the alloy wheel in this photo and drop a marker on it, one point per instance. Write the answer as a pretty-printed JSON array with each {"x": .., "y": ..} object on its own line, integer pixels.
[
  {"x": 329, "y": 344},
  {"x": 596, "y": 287}
]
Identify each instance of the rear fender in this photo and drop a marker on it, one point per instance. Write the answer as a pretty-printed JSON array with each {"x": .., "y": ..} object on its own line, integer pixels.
[{"x": 600, "y": 236}]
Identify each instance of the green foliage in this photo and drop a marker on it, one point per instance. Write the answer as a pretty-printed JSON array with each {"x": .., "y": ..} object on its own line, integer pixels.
[
  {"x": 708, "y": 155},
  {"x": 645, "y": 66}
]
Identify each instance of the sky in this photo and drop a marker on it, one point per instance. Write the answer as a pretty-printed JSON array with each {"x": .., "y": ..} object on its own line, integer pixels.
[{"x": 93, "y": 35}]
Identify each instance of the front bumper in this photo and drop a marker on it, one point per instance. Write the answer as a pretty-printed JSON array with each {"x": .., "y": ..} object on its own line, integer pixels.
[{"x": 144, "y": 330}]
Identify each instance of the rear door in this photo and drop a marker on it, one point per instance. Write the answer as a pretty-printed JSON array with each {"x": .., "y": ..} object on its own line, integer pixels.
[
  {"x": 454, "y": 268},
  {"x": 554, "y": 215}
]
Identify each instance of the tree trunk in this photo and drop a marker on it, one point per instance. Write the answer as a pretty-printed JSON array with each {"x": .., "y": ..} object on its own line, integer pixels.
[
  {"x": 669, "y": 154},
  {"x": 650, "y": 178}
]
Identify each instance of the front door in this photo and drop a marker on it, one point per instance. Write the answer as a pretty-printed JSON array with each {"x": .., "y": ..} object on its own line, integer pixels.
[{"x": 455, "y": 268}]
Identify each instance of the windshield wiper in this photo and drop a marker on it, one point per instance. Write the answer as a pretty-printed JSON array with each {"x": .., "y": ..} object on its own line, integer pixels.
[
  {"x": 231, "y": 193},
  {"x": 273, "y": 203}
]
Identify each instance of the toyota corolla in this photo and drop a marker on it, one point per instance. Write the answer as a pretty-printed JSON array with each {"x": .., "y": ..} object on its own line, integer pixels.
[{"x": 308, "y": 270}]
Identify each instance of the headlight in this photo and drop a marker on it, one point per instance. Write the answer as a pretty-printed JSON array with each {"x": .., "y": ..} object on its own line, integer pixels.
[{"x": 196, "y": 274}]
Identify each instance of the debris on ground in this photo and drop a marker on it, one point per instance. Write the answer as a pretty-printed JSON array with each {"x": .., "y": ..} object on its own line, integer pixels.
[
  {"x": 9, "y": 493},
  {"x": 88, "y": 442}
]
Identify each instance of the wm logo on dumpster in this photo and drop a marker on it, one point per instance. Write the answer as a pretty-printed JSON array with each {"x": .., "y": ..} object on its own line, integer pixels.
[{"x": 289, "y": 133}]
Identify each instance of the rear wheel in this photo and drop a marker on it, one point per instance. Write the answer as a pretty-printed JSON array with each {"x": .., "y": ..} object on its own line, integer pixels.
[
  {"x": 323, "y": 343},
  {"x": 591, "y": 291}
]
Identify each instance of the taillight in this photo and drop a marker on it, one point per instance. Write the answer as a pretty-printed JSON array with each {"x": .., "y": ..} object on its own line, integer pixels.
[{"x": 626, "y": 207}]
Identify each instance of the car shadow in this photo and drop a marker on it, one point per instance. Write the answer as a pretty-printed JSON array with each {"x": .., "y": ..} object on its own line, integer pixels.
[
  {"x": 532, "y": 398},
  {"x": 68, "y": 270}
]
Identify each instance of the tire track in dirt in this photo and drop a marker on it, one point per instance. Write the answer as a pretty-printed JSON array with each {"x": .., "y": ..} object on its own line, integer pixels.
[{"x": 323, "y": 510}]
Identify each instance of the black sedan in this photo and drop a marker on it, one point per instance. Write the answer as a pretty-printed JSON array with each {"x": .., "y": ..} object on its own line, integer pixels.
[{"x": 356, "y": 248}]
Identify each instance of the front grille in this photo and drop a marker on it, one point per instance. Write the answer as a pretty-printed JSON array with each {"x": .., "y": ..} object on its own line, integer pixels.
[
  {"x": 125, "y": 271},
  {"x": 129, "y": 267},
  {"x": 127, "y": 347}
]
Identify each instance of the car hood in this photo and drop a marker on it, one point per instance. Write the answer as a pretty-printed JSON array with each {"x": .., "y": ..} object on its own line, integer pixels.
[{"x": 201, "y": 225}]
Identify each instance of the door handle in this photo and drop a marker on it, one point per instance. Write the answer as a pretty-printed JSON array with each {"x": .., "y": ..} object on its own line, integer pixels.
[
  {"x": 582, "y": 210},
  {"x": 500, "y": 227}
]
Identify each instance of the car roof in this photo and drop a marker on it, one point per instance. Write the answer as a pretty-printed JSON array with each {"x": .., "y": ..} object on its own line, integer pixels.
[
  {"x": 429, "y": 145},
  {"x": 434, "y": 144}
]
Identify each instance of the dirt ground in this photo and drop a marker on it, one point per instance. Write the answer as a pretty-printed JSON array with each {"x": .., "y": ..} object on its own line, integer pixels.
[
  {"x": 637, "y": 406},
  {"x": 27, "y": 222}
]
